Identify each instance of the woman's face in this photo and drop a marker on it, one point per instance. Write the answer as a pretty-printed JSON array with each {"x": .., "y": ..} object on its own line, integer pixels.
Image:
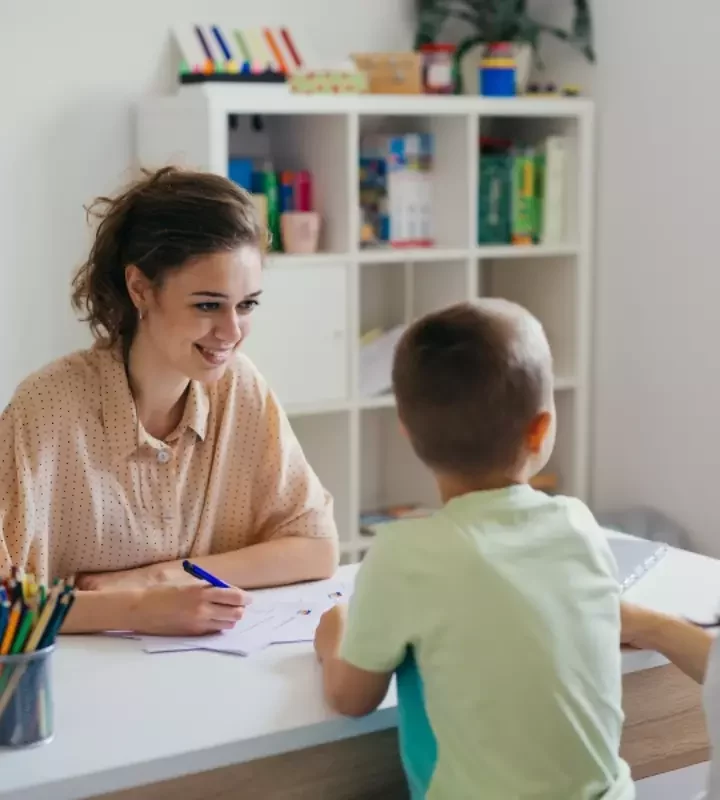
[{"x": 201, "y": 312}]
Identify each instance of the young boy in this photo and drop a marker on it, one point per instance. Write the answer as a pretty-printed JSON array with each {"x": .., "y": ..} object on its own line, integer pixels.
[{"x": 500, "y": 613}]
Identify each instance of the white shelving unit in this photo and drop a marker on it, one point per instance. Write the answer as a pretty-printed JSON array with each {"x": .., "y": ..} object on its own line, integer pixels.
[{"x": 315, "y": 308}]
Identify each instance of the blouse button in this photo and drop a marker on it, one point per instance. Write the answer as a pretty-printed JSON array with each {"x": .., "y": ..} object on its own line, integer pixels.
[{"x": 163, "y": 456}]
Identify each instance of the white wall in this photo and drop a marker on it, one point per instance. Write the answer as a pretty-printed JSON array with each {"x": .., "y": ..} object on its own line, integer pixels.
[
  {"x": 657, "y": 392},
  {"x": 66, "y": 136}
]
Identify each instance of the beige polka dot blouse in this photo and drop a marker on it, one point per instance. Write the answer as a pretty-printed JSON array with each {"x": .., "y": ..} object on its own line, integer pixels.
[{"x": 84, "y": 488}]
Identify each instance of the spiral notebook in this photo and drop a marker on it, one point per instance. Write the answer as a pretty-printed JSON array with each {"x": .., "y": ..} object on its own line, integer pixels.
[{"x": 635, "y": 557}]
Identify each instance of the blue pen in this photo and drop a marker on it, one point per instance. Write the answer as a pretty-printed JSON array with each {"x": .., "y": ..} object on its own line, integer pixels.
[{"x": 201, "y": 575}]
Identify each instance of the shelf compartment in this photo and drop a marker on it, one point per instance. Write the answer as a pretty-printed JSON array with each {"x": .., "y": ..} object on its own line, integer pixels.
[
  {"x": 325, "y": 440},
  {"x": 390, "y": 473},
  {"x": 549, "y": 291},
  {"x": 450, "y": 177},
  {"x": 320, "y": 145}
]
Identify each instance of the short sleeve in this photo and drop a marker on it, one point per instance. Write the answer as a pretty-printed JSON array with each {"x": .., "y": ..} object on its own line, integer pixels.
[
  {"x": 291, "y": 500},
  {"x": 16, "y": 507},
  {"x": 377, "y": 633},
  {"x": 583, "y": 520}
]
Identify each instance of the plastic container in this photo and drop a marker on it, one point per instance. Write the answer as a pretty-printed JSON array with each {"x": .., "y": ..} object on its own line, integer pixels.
[
  {"x": 26, "y": 707},
  {"x": 300, "y": 231},
  {"x": 498, "y": 72},
  {"x": 438, "y": 71}
]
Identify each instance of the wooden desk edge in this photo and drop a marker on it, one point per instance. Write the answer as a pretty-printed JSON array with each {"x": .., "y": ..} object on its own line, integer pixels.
[{"x": 664, "y": 722}]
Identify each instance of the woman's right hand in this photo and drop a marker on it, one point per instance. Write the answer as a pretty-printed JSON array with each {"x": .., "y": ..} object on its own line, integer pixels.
[{"x": 169, "y": 610}]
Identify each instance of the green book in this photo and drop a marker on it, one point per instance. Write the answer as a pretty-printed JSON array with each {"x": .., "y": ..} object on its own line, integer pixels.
[
  {"x": 494, "y": 198},
  {"x": 524, "y": 201}
]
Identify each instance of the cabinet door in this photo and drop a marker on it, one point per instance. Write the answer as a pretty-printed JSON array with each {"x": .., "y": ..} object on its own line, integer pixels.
[{"x": 299, "y": 339}]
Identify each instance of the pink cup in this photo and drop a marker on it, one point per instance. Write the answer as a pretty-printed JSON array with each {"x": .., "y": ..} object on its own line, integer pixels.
[{"x": 300, "y": 231}]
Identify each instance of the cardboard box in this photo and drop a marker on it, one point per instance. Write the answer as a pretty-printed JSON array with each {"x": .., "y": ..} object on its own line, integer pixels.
[{"x": 391, "y": 73}]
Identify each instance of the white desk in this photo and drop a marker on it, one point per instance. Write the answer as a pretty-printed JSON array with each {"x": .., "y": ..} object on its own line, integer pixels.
[{"x": 125, "y": 718}]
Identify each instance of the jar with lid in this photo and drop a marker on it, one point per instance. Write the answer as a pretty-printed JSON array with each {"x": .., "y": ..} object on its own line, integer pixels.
[{"x": 438, "y": 68}]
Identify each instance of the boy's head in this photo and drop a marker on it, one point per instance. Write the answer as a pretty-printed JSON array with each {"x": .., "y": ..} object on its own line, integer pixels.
[{"x": 474, "y": 389}]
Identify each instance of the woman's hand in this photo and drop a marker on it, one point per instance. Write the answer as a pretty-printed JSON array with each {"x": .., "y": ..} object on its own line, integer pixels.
[
  {"x": 187, "y": 610},
  {"x": 330, "y": 631}
]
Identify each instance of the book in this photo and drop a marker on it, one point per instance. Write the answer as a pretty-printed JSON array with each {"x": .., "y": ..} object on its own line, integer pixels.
[
  {"x": 524, "y": 197},
  {"x": 370, "y": 520},
  {"x": 495, "y": 198},
  {"x": 553, "y": 193}
]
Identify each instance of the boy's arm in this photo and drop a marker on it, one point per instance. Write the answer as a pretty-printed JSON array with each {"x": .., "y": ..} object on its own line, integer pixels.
[
  {"x": 349, "y": 690},
  {"x": 360, "y": 646}
]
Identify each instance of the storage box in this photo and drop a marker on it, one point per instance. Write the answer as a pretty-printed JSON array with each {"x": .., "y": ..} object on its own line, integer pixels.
[
  {"x": 329, "y": 81},
  {"x": 391, "y": 73}
]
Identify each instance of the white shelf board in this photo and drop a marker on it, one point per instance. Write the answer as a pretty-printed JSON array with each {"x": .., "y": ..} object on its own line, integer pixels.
[
  {"x": 396, "y": 255},
  {"x": 309, "y": 409},
  {"x": 274, "y": 99},
  {"x": 565, "y": 383},
  {"x": 383, "y": 401},
  {"x": 310, "y": 260},
  {"x": 500, "y": 251}
]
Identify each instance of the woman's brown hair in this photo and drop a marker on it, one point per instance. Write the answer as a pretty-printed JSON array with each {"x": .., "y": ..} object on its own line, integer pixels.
[{"x": 159, "y": 222}]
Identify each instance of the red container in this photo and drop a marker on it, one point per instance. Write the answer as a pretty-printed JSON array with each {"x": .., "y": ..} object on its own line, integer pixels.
[{"x": 438, "y": 68}]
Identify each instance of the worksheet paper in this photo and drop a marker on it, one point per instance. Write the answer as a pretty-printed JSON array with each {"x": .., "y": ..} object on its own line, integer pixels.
[{"x": 275, "y": 616}]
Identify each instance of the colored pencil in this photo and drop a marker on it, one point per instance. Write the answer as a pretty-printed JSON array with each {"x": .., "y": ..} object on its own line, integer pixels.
[{"x": 11, "y": 627}]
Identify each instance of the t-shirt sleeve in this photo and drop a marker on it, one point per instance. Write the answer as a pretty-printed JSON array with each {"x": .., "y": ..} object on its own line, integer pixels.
[
  {"x": 376, "y": 637},
  {"x": 291, "y": 500},
  {"x": 582, "y": 519},
  {"x": 17, "y": 547}
]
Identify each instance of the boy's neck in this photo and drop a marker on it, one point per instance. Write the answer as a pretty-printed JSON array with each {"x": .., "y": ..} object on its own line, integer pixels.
[{"x": 452, "y": 486}]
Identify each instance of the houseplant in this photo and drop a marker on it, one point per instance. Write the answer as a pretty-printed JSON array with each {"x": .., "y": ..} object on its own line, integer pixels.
[{"x": 488, "y": 22}]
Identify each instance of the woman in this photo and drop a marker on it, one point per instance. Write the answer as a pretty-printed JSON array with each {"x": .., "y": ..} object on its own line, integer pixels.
[
  {"x": 691, "y": 648},
  {"x": 160, "y": 443}
]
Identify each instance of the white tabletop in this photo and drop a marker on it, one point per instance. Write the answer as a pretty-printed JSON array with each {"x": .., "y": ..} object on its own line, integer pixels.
[{"x": 125, "y": 718}]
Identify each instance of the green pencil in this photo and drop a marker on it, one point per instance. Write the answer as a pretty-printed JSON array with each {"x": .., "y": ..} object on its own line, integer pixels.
[{"x": 23, "y": 631}]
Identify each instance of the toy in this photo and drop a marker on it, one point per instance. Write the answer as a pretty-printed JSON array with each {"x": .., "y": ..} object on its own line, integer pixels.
[
  {"x": 550, "y": 90},
  {"x": 498, "y": 72},
  {"x": 396, "y": 190},
  {"x": 329, "y": 81},
  {"x": 211, "y": 54}
]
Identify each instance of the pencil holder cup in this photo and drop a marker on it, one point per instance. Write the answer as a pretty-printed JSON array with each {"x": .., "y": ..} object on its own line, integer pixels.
[
  {"x": 26, "y": 708},
  {"x": 300, "y": 231}
]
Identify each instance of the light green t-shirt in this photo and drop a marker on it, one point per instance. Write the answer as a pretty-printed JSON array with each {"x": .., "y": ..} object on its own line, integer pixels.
[{"x": 500, "y": 615}]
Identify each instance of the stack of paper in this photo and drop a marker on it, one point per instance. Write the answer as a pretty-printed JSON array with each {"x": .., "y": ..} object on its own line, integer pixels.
[{"x": 276, "y": 616}]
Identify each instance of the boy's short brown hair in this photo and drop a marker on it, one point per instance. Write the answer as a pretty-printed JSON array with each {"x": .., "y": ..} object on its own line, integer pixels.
[{"x": 468, "y": 381}]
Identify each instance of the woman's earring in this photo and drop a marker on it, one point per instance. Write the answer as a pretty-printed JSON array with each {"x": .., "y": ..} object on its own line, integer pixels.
[{"x": 141, "y": 314}]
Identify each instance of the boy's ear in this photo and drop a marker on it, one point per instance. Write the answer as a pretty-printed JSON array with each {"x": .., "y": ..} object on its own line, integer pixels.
[{"x": 538, "y": 430}]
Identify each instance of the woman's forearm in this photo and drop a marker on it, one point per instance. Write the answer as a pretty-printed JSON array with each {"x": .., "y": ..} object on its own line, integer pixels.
[
  {"x": 93, "y": 612},
  {"x": 292, "y": 559},
  {"x": 685, "y": 644}
]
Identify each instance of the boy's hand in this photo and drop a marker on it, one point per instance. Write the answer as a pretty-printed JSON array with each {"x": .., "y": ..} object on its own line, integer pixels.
[
  {"x": 330, "y": 631},
  {"x": 638, "y": 626}
]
